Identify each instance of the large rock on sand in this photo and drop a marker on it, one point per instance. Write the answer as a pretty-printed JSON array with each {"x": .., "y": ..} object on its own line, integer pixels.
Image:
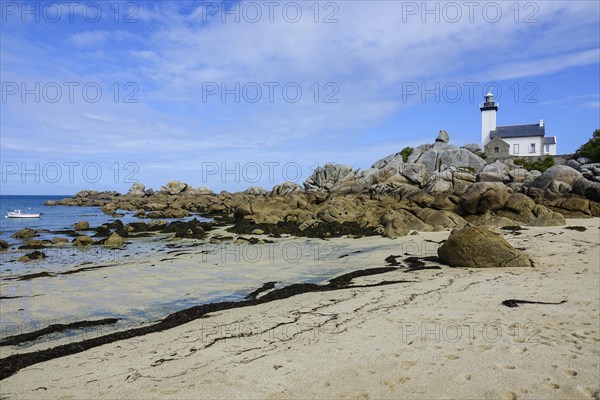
[
  {"x": 550, "y": 218},
  {"x": 476, "y": 247}
]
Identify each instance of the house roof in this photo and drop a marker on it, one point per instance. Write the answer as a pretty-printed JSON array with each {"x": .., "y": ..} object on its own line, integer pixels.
[
  {"x": 550, "y": 140},
  {"x": 518, "y": 131}
]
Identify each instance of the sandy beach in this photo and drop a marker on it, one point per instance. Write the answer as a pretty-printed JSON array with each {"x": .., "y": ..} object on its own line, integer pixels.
[{"x": 435, "y": 333}]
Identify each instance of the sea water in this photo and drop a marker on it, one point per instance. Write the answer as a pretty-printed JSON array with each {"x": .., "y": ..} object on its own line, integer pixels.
[
  {"x": 161, "y": 287},
  {"x": 53, "y": 218}
]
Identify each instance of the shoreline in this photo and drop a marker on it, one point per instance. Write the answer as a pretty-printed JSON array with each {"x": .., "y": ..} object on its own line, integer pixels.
[
  {"x": 206, "y": 272},
  {"x": 366, "y": 324}
]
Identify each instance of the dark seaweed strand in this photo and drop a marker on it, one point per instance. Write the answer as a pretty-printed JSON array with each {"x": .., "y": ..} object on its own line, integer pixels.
[
  {"x": 515, "y": 302},
  {"x": 263, "y": 288},
  {"x": 26, "y": 337}
]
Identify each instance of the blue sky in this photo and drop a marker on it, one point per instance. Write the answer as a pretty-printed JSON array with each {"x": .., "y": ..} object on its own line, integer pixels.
[{"x": 375, "y": 76}]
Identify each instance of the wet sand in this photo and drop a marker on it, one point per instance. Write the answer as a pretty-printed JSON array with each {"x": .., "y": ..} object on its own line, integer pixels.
[{"x": 445, "y": 334}]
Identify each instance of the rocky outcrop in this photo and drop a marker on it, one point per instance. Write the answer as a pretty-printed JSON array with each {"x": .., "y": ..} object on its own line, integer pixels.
[
  {"x": 109, "y": 208},
  {"x": 174, "y": 187},
  {"x": 587, "y": 188},
  {"x": 549, "y": 219},
  {"x": 36, "y": 255},
  {"x": 81, "y": 226},
  {"x": 495, "y": 172},
  {"x": 484, "y": 196},
  {"x": 137, "y": 189},
  {"x": 520, "y": 208},
  {"x": 441, "y": 168},
  {"x": 256, "y": 191},
  {"x": 451, "y": 180},
  {"x": 443, "y": 137},
  {"x": 559, "y": 178},
  {"x": 441, "y": 156},
  {"x": 200, "y": 191},
  {"x": 474, "y": 148},
  {"x": 531, "y": 176},
  {"x": 114, "y": 240},
  {"x": 491, "y": 220},
  {"x": 440, "y": 219},
  {"x": 33, "y": 244},
  {"x": 4, "y": 244},
  {"x": 83, "y": 241},
  {"x": 590, "y": 171},
  {"x": 24, "y": 233},
  {"x": 323, "y": 179},
  {"x": 392, "y": 169},
  {"x": 94, "y": 194},
  {"x": 439, "y": 186},
  {"x": 520, "y": 174},
  {"x": 186, "y": 230},
  {"x": 263, "y": 214},
  {"x": 476, "y": 247},
  {"x": 286, "y": 188},
  {"x": 394, "y": 225},
  {"x": 389, "y": 175},
  {"x": 156, "y": 206},
  {"x": 401, "y": 190},
  {"x": 340, "y": 210},
  {"x": 177, "y": 213}
]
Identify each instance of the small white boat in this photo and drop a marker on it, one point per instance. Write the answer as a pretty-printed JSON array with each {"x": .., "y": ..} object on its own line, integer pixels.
[{"x": 19, "y": 214}]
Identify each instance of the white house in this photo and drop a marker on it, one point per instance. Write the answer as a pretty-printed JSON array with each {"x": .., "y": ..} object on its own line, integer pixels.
[{"x": 514, "y": 140}]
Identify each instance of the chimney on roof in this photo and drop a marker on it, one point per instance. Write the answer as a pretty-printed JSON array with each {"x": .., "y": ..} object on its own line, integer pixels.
[{"x": 541, "y": 122}]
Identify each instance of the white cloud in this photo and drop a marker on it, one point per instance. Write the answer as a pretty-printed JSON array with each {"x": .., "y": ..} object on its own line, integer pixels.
[
  {"x": 591, "y": 104},
  {"x": 544, "y": 66},
  {"x": 90, "y": 38},
  {"x": 98, "y": 117},
  {"x": 564, "y": 101}
]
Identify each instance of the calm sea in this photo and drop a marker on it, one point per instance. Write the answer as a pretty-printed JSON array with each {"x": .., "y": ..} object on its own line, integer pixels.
[{"x": 53, "y": 217}]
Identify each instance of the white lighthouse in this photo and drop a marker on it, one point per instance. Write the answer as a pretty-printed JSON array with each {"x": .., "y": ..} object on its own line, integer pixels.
[{"x": 488, "y": 117}]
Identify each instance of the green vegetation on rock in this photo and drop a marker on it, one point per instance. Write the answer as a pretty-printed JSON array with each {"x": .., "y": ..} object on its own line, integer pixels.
[
  {"x": 540, "y": 165},
  {"x": 591, "y": 149},
  {"x": 406, "y": 152}
]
